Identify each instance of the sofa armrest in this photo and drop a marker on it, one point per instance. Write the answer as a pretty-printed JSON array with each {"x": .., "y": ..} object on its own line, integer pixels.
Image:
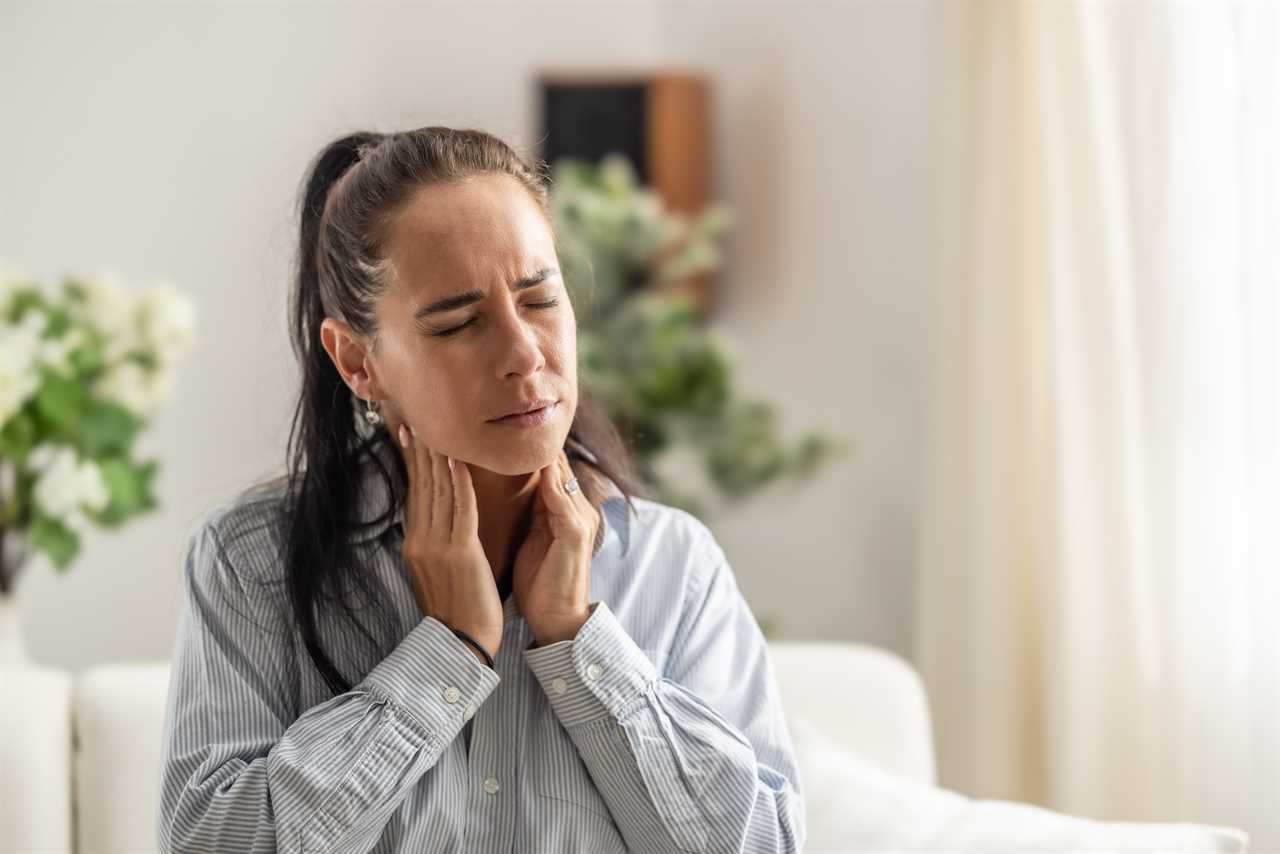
[
  {"x": 867, "y": 699},
  {"x": 119, "y": 719},
  {"x": 35, "y": 760}
]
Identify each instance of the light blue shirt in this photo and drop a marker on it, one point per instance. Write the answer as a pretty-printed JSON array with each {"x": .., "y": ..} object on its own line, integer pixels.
[{"x": 657, "y": 728}]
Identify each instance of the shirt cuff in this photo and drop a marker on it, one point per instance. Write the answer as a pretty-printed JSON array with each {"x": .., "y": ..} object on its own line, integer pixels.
[
  {"x": 599, "y": 673},
  {"x": 434, "y": 676}
]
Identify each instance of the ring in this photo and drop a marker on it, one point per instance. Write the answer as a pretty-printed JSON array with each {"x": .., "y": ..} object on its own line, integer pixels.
[{"x": 571, "y": 486}]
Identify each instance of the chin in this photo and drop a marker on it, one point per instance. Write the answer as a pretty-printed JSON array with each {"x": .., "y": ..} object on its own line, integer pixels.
[{"x": 522, "y": 456}]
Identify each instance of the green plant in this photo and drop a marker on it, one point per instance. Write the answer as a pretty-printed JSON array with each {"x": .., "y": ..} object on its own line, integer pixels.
[
  {"x": 81, "y": 372},
  {"x": 665, "y": 380}
]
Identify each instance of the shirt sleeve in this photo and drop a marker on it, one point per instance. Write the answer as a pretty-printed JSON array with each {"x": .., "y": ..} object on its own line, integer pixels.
[
  {"x": 241, "y": 771},
  {"x": 695, "y": 759}
]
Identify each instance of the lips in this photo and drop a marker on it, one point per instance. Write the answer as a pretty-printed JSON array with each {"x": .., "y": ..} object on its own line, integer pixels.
[
  {"x": 527, "y": 408},
  {"x": 536, "y": 418}
]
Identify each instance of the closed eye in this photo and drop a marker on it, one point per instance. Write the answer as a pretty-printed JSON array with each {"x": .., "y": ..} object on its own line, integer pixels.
[{"x": 455, "y": 330}]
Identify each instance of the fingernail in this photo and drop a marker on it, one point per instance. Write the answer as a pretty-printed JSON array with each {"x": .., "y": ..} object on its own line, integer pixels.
[
  {"x": 450, "y": 459},
  {"x": 404, "y": 436}
]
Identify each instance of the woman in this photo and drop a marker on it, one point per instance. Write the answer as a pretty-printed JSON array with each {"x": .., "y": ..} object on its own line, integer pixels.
[{"x": 430, "y": 636}]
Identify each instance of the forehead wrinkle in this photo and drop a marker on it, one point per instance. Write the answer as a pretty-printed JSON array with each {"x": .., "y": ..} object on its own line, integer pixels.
[{"x": 436, "y": 241}]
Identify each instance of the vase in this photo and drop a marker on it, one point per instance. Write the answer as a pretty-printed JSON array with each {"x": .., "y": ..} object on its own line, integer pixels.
[
  {"x": 13, "y": 555},
  {"x": 36, "y": 740}
]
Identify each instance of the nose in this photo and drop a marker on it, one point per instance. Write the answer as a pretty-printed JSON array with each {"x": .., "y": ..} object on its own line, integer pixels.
[{"x": 521, "y": 348}]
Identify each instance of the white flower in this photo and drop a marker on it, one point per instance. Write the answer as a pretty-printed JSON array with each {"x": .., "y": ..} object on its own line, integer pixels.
[
  {"x": 109, "y": 309},
  {"x": 20, "y": 346},
  {"x": 56, "y": 352},
  {"x": 160, "y": 384},
  {"x": 167, "y": 319},
  {"x": 130, "y": 385},
  {"x": 138, "y": 389},
  {"x": 159, "y": 322},
  {"x": 64, "y": 482},
  {"x": 10, "y": 281}
]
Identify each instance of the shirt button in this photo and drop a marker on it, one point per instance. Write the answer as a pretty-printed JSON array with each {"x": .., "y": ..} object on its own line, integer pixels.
[
  {"x": 491, "y": 785},
  {"x": 558, "y": 686},
  {"x": 451, "y": 694},
  {"x": 594, "y": 671},
  {"x": 469, "y": 711}
]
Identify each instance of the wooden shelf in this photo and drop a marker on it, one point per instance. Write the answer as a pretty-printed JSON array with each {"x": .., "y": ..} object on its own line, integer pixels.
[{"x": 659, "y": 120}]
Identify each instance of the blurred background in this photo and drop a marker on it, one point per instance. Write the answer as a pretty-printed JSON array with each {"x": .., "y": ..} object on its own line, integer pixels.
[{"x": 956, "y": 321}]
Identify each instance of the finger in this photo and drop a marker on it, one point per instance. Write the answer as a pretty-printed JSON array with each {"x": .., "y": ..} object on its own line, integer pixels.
[
  {"x": 589, "y": 507},
  {"x": 423, "y": 480},
  {"x": 581, "y": 504},
  {"x": 466, "y": 518},
  {"x": 410, "y": 454},
  {"x": 567, "y": 474},
  {"x": 441, "y": 497},
  {"x": 558, "y": 503},
  {"x": 406, "y": 447}
]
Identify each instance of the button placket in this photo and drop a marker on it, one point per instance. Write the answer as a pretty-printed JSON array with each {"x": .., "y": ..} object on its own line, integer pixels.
[{"x": 489, "y": 763}]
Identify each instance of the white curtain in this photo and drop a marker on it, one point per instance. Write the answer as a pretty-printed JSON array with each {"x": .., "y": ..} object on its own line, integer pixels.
[{"x": 1099, "y": 567}]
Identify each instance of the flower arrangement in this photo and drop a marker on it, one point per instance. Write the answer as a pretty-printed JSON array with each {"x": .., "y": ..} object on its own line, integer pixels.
[
  {"x": 81, "y": 372},
  {"x": 664, "y": 379}
]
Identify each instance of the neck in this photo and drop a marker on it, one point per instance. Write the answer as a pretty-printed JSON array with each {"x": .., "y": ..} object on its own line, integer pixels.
[{"x": 504, "y": 504}]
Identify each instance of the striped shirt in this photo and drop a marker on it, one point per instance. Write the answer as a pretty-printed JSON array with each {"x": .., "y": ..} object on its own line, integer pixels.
[{"x": 657, "y": 728}]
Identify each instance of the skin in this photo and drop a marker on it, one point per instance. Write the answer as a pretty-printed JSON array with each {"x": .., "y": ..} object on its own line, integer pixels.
[{"x": 485, "y": 233}]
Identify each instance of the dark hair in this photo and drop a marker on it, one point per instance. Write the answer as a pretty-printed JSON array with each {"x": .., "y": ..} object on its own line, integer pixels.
[{"x": 355, "y": 186}]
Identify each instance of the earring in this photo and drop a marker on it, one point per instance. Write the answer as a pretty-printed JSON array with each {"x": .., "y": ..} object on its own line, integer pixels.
[{"x": 371, "y": 413}]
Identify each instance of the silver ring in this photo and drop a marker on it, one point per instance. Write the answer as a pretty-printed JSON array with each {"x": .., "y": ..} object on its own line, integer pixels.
[{"x": 571, "y": 486}]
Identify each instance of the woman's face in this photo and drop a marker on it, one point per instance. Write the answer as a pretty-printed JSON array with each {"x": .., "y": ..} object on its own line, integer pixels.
[{"x": 471, "y": 243}]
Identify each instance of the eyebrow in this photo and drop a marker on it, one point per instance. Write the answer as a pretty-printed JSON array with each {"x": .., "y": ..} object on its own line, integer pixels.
[{"x": 459, "y": 300}]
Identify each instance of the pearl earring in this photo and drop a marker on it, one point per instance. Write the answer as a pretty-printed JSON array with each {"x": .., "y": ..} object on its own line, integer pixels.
[{"x": 371, "y": 414}]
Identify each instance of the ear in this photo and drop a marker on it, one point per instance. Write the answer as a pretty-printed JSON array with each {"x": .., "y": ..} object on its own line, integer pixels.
[{"x": 350, "y": 354}]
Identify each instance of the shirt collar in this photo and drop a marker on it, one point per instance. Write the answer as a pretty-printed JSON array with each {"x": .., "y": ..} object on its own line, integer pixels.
[{"x": 373, "y": 500}]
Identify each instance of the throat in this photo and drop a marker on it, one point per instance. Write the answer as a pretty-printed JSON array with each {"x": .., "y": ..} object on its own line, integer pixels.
[{"x": 505, "y": 555}]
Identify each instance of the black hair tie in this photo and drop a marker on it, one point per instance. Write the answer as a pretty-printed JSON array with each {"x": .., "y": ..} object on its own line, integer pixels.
[{"x": 488, "y": 659}]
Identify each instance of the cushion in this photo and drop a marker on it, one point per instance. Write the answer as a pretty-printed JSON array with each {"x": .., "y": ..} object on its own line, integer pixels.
[{"x": 853, "y": 806}]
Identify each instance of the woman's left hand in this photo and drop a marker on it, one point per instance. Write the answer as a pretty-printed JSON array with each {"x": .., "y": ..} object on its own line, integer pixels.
[{"x": 553, "y": 564}]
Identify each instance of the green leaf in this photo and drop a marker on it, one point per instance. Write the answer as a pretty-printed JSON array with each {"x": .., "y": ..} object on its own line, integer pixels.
[
  {"x": 24, "y": 300},
  {"x": 60, "y": 401},
  {"x": 55, "y": 539},
  {"x": 129, "y": 486},
  {"x": 18, "y": 436},
  {"x": 59, "y": 322},
  {"x": 75, "y": 289},
  {"x": 107, "y": 428},
  {"x": 86, "y": 357}
]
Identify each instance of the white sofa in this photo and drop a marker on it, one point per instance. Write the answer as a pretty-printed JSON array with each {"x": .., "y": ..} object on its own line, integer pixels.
[{"x": 79, "y": 756}]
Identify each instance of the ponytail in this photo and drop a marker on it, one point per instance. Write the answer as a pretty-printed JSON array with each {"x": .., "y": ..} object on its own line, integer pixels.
[{"x": 323, "y": 435}]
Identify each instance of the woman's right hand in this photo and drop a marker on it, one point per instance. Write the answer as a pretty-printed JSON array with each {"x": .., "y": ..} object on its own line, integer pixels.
[{"x": 448, "y": 569}]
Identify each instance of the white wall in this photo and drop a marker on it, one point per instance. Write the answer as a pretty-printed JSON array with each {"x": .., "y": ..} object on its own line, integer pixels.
[{"x": 168, "y": 141}]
